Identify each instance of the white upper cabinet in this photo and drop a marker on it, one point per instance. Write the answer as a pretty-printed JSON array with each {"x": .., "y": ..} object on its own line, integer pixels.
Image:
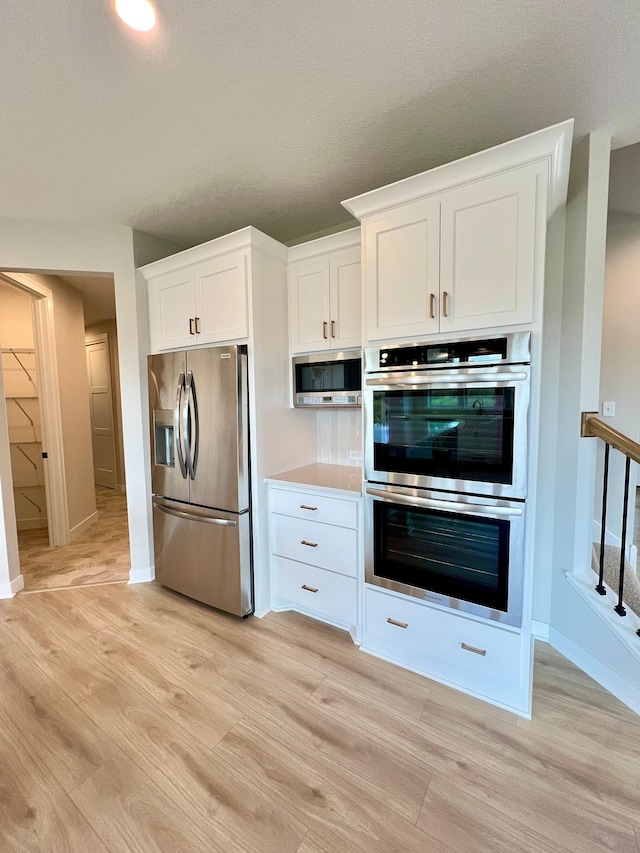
[
  {"x": 457, "y": 261},
  {"x": 461, "y": 248},
  {"x": 325, "y": 293},
  {"x": 201, "y": 303}
]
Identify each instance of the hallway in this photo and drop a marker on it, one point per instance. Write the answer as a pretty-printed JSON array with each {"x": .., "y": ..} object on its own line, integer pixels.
[{"x": 101, "y": 555}]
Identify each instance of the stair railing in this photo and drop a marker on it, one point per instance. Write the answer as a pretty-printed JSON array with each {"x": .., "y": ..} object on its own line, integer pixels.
[{"x": 592, "y": 426}]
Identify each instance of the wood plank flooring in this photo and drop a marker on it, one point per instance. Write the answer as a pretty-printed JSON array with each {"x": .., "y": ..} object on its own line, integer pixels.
[
  {"x": 132, "y": 719},
  {"x": 99, "y": 555}
]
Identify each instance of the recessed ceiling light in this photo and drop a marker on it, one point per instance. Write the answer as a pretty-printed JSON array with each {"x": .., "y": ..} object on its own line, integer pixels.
[{"x": 137, "y": 14}]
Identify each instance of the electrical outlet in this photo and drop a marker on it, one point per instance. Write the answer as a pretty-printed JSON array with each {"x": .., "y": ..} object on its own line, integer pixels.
[
  {"x": 608, "y": 410},
  {"x": 355, "y": 457}
]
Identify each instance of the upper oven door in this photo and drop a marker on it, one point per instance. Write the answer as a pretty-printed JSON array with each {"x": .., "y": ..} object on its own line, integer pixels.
[{"x": 458, "y": 430}]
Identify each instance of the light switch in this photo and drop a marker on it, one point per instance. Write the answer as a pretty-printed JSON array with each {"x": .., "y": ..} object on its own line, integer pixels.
[{"x": 608, "y": 410}]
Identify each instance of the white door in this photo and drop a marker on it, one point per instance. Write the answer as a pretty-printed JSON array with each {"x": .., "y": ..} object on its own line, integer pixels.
[
  {"x": 221, "y": 298},
  {"x": 402, "y": 272},
  {"x": 172, "y": 310},
  {"x": 101, "y": 403},
  {"x": 488, "y": 244},
  {"x": 309, "y": 305},
  {"x": 345, "y": 299}
]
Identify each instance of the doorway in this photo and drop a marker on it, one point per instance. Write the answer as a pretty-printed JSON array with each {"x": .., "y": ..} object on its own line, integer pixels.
[{"x": 95, "y": 545}]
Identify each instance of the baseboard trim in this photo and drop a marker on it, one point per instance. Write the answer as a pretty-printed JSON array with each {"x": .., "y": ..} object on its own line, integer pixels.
[
  {"x": 79, "y": 529},
  {"x": 142, "y": 575},
  {"x": 540, "y": 631},
  {"x": 31, "y": 523},
  {"x": 622, "y": 689},
  {"x": 8, "y": 590}
]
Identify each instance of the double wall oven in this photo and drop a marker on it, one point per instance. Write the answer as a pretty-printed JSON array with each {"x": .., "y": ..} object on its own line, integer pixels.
[{"x": 446, "y": 471}]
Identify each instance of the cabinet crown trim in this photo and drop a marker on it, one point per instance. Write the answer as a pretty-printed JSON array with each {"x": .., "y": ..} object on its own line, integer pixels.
[
  {"x": 244, "y": 238},
  {"x": 552, "y": 144},
  {"x": 322, "y": 245}
]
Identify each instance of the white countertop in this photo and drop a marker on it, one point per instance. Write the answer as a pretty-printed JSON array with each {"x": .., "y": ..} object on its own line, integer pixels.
[{"x": 326, "y": 478}]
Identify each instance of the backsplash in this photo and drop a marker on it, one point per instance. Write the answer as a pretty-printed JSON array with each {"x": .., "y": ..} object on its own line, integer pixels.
[{"x": 338, "y": 433}]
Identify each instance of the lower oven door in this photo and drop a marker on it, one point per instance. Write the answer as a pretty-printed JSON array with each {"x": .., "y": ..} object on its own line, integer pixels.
[{"x": 459, "y": 551}]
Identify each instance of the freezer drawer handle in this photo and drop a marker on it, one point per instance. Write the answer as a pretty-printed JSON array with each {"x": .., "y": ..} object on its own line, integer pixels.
[
  {"x": 309, "y": 588},
  {"x": 474, "y": 649},
  {"x": 310, "y": 544},
  {"x": 310, "y": 508},
  {"x": 223, "y": 522}
]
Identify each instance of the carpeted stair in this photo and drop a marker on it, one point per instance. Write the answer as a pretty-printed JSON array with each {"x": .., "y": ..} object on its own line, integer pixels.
[{"x": 612, "y": 575}]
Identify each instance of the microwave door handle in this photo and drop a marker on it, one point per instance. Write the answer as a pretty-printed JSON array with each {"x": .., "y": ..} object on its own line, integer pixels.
[
  {"x": 447, "y": 506},
  {"x": 177, "y": 428},
  {"x": 410, "y": 381}
]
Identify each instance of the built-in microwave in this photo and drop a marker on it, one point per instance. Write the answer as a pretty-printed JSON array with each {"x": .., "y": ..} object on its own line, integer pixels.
[{"x": 327, "y": 379}]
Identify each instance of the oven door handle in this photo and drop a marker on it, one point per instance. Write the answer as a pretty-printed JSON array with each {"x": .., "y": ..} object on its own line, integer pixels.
[
  {"x": 408, "y": 381},
  {"x": 447, "y": 506}
]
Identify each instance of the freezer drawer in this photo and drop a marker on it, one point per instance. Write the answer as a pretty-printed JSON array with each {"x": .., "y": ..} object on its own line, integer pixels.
[{"x": 204, "y": 554}]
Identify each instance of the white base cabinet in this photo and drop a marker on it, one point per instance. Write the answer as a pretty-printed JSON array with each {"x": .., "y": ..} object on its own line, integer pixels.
[
  {"x": 484, "y": 660},
  {"x": 315, "y": 555}
]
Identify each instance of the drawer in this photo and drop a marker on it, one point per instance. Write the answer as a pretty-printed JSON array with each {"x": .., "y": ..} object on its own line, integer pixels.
[
  {"x": 444, "y": 643},
  {"x": 315, "y": 590},
  {"x": 322, "y": 545},
  {"x": 314, "y": 507}
]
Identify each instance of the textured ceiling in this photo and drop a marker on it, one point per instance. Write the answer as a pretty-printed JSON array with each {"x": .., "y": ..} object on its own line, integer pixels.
[{"x": 270, "y": 113}]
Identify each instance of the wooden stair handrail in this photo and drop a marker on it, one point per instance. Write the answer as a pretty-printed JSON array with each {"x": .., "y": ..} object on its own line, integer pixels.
[{"x": 594, "y": 427}]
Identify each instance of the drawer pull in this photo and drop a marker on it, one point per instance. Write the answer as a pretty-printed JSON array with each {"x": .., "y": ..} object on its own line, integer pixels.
[
  {"x": 310, "y": 508},
  {"x": 397, "y": 624},
  {"x": 481, "y": 652},
  {"x": 309, "y": 588},
  {"x": 310, "y": 544}
]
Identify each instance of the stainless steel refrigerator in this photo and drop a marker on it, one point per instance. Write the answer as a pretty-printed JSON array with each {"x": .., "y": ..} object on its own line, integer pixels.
[{"x": 199, "y": 416}]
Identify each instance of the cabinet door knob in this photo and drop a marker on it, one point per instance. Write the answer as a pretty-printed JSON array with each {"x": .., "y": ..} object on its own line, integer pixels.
[
  {"x": 324, "y": 329},
  {"x": 445, "y": 303},
  {"x": 333, "y": 328},
  {"x": 197, "y": 319},
  {"x": 432, "y": 306},
  {"x": 309, "y": 588},
  {"x": 191, "y": 324}
]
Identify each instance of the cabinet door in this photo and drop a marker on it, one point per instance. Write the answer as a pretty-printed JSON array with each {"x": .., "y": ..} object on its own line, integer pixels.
[
  {"x": 488, "y": 242},
  {"x": 309, "y": 326},
  {"x": 345, "y": 298},
  {"x": 171, "y": 307},
  {"x": 221, "y": 298},
  {"x": 402, "y": 272}
]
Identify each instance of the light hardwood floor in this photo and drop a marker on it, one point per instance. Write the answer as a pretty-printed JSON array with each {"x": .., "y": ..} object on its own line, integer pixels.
[
  {"x": 99, "y": 555},
  {"x": 132, "y": 719}
]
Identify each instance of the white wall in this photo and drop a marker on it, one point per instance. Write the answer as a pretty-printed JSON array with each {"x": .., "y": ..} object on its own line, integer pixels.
[
  {"x": 62, "y": 247},
  {"x": 574, "y": 629},
  {"x": 620, "y": 373}
]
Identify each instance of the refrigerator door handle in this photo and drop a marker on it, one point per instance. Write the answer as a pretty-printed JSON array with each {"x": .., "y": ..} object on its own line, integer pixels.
[
  {"x": 176, "y": 425},
  {"x": 191, "y": 426},
  {"x": 222, "y": 522}
]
